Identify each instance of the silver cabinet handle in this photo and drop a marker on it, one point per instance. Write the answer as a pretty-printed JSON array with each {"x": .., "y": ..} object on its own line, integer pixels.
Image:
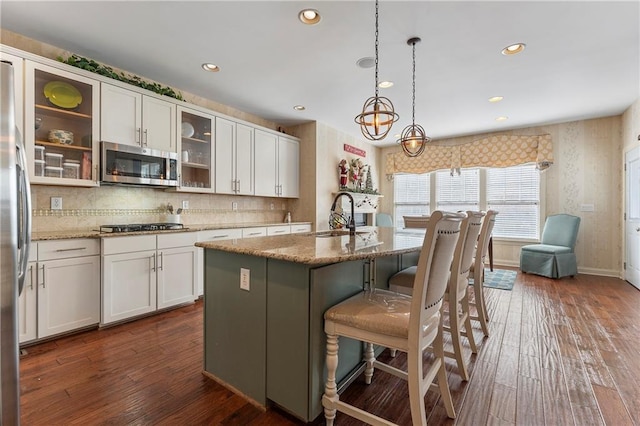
[
  {"x": 255, "y": 233},
  {"x": 31, "y": 277},
  {"x": 43, "y": 276},
  {"x": 146, "y": 136},
  {"x": 71, "y": 249},
  {"x": 219, "y": 236},
  {"x": 139, "y": 136},
  {"x": 238, "y": 183},
  {"x": 153, "y": 258},
  {"x": 161, "y": 266},
  {"x": 279, "y": 232}
]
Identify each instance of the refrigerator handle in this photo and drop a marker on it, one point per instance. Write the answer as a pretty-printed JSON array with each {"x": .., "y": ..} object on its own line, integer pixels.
[{"x": 24, "y": 191}]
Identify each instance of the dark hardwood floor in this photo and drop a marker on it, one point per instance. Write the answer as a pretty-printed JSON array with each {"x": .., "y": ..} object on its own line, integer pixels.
[{"x": 561, "y": 352}]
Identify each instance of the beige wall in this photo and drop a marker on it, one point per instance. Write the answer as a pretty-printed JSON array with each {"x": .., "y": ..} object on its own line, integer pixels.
[
  {"x": 322, "y": 148},
  {"x": 586, "y": 170}
]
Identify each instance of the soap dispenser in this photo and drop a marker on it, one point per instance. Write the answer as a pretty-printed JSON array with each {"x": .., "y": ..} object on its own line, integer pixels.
[{"x": 287, "y": 218}]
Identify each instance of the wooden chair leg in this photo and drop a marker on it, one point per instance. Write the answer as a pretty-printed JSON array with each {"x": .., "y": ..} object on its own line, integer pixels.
[
  {"x": 480, "y": 305},
  {"x": 369, "y": 358},
  {"x": 443, "y": 384},
  {"x": 331, "y": 397},
  {"x": 454, "y": 325},
  {"x": 466, "y": 309},
  {"x": 414, "y": 379}
]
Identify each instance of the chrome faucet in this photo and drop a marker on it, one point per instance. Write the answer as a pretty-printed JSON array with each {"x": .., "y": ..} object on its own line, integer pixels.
[{"x": 352, "y": 223}]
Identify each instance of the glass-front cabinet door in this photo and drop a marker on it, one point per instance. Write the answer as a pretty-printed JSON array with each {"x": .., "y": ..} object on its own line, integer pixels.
[
  {"x": 61, "y": 126},
  {"x": 195, "y": 150}
]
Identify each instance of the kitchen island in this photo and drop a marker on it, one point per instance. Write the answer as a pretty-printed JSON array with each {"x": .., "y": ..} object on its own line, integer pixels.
[{"x": 264, "y": 302}]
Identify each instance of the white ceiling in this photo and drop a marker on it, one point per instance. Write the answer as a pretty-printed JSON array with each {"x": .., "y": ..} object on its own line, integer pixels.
[{"x": 582, "y": 58}]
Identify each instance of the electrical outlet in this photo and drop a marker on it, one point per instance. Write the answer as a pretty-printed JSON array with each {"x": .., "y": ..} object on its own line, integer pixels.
[
  {"x": 185, "y": 205},
  {"x": 234, "y": 205},
  {"x": 272, "y": 206},
  {"x": 56, "y": 203},
  {"x": 245, "y": 275}
]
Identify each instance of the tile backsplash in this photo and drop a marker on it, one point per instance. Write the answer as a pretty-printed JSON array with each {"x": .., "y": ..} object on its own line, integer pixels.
[{"x": 88, "y": 208}]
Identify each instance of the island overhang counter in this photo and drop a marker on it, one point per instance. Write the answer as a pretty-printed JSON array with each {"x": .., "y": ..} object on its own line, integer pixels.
[{"x": 264, "y": 301}]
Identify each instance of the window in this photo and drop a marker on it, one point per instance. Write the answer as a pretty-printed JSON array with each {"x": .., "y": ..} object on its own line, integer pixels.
[
  {"x": 513, "y": 191},
  {"x": 458, "y": 192},
  {"x": 411, "y": 196}
]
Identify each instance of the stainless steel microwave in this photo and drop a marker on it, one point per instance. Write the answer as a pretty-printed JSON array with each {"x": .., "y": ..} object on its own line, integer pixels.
[{"x": 129, "y": 164}]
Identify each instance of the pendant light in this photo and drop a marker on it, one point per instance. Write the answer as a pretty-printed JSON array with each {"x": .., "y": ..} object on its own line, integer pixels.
[
  {"x": 377, "y": 114},
  {"x": 413, "y": 138}
]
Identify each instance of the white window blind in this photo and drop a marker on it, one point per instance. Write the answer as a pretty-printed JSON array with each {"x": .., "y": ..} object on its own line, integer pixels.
[
  {"x": 411, "y": 196},
  {"x": 515, "y": 193},
  {"x": 458, "y": 192}
]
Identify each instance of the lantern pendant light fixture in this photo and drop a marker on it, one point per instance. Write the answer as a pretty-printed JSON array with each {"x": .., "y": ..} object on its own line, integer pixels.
[
  {"x": 413, "y": 138},
  {"x": 377, "y": 114}
]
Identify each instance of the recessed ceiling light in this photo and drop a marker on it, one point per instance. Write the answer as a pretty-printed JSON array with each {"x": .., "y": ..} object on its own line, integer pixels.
[
  {"x": 385, "y": 84},
  {"x": 309, "y": 16},
  {"x": 210, "y": 67},
  {"x": 494, "y": 99},
  {"x": 299, "y": 107},
  {"x": 502, "y": 118},
  {"x": 366, "y": 62},
  {"x": 513, "y": 49}
]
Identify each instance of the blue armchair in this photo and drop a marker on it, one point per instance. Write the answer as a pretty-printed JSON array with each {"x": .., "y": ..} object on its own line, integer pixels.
[{"x": 554, "y": 257}]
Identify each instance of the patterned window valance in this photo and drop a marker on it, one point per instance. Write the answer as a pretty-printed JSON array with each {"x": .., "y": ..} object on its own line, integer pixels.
[{"x": 492, "y": 151}]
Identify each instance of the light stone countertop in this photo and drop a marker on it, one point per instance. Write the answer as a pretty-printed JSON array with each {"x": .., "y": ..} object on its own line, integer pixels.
[
  {"x": 94, "y": 233},
  {"x": 316, "y": 248}
]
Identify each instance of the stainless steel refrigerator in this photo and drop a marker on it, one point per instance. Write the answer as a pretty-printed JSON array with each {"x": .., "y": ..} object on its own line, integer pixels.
[{"x": 15, "y": 233}]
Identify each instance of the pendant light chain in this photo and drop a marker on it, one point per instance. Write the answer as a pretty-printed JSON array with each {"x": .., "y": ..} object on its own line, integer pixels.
[
  {"x": 377, "y": 114},
  {"x": 413, "y": 99},
  {"x": 376, "y": 74}
]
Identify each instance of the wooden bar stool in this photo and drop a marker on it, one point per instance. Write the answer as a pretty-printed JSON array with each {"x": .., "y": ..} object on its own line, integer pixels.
[
  {"x": 477, "y": 270},
  {"x": 409, "y": 324}
]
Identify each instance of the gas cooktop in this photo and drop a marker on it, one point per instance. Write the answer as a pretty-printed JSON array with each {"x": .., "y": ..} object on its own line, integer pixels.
[{"x": 141, "y": 227}]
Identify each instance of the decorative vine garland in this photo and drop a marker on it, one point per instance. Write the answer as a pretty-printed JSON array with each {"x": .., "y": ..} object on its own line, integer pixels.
[{"x": 93, "y": 66}]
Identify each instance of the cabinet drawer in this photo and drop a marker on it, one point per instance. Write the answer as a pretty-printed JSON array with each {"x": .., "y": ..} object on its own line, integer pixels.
[
  {"x": 113, "y": 245},
  {"x": 181, "y": 239},
  {"x": 279, "y": 230},
  {"x": 300, "y": 228},
  {"x": 63, "y": 249},
  {"x": 220, "y": 234},
  {"x": 254, "y": 232}
]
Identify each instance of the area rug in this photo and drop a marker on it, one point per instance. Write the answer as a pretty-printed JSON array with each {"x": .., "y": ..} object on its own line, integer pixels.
[{"x": 502, "y": 279}]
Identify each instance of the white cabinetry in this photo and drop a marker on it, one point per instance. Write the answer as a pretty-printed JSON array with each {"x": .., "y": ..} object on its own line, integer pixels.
[
  {"x": 131, "y": 118},
  {"x": 257, "y": 231},
  {"x": 195, "y": 150},
  {"x": 277, "y": 171},
  {"x": 288, "y": 167},
  {"x": 143, "y": 273},
  {"x": 278, "y": 230},
  {"x": 177, "y": 269},
  {"x": 60, "y": 100},
  {"x": 212, "y": 235},
  {"x": 68, "y": 280},
  {"x": 234, "y": 158},
  {"x": 27, "y": 302},
  {"x": 302, "y": 227}
]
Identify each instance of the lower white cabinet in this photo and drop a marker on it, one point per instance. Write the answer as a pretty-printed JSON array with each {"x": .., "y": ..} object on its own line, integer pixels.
[
  {"x": 143, "y": 273},
  {"x": 302, "y": 227},
  {"x": 257, "y": 231},
  {"x": 278, "y": 230},
  {"x": 62, "y": 288},
  {"x": 27, "y": 302},
  {"x": 212, "y": 235}
]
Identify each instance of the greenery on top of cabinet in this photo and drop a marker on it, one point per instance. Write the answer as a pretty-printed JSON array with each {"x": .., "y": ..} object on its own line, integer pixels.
[{"x": 93, "y": 66}]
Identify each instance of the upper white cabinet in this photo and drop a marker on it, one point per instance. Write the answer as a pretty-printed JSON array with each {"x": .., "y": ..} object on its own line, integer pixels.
[
  {"x": 61, "y": 126},
  {"x": 288, "y": 167},
  {"x": 195, "y": 150},
  {"x": 131, "y": 118},
  {"x": 277, "y": 171},
  {"x": 234, "y": 158}
]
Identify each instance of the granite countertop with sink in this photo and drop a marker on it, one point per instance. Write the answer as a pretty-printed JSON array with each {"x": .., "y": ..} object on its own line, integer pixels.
[{"x": 324, "y": 247}]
